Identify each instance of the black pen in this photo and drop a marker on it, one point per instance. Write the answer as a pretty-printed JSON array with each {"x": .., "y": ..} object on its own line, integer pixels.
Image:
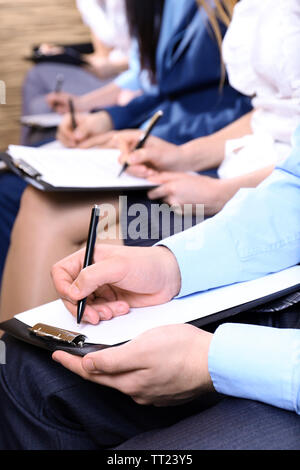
[
  {"x": 59, "y": 83},
  {"x": 89, "y": 254},
  {"x": 72, "y": 112},
  {"x": 145, "y": 136}
]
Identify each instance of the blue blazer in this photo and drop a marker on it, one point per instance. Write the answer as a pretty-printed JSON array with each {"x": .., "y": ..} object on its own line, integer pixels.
[{"x": 188, "y": 78}]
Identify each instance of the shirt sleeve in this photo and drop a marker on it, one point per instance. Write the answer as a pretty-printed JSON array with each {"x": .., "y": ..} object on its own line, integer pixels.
[
  {"x": 131, "y": 78},
  {"x": 257, "y": 363},
  {"x": 256, "y": 234}
]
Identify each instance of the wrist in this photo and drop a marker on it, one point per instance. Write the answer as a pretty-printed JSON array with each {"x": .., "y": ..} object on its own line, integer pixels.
[
  {"x": 171, "y": 276},
  {"x": 227, "y": 188},
  {"x": 104, "y": 122}
]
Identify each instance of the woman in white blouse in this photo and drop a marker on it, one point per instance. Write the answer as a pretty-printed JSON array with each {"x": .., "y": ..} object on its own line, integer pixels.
[
  {"x": 107, "y": 21},
  {"x": 108, "y": 24}
]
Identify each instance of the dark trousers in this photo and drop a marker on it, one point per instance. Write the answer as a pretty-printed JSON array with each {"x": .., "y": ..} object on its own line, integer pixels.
[{"x": 43, "y": 406}]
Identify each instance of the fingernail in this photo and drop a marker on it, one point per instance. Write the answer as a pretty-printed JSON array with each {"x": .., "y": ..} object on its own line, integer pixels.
[
  {"x": 121, "y": 308},
  {"x": 89, "y": 365},
  {"x": 132, "y": 160}
]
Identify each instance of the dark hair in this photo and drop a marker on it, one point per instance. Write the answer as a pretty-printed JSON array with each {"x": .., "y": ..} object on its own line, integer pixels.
[{"x": 144, "y": 19}]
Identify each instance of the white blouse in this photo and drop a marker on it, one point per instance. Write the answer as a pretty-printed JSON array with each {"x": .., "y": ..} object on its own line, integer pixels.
[
  {"x": 107, "y": 19},
  {"x": 261, "y": 53}
]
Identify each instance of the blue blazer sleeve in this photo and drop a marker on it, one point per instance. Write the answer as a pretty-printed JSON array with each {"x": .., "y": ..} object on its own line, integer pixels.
[{"x": 189, "y": 76}]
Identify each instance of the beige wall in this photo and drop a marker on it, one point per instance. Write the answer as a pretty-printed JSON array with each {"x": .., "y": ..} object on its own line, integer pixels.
[{"x": 24, "y": 23}]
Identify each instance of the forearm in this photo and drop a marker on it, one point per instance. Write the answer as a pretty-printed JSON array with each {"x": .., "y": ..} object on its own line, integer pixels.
[
  {"x": 100, "y": 48},
  {"x": 229, "y": 187},
  {"x": 208, "y": 152}
]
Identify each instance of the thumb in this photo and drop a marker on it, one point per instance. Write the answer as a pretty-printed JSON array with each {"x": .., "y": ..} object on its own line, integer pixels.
[
  {"x": 108, "y": 271},
  {"x": 115, "y": 360}
]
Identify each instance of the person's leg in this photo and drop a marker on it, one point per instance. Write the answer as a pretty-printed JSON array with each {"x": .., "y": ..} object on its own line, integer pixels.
[
  {"x": 48, "y": 228},
  {"x": 45, "y": 407},
  {"x": 11, "y": 190}
]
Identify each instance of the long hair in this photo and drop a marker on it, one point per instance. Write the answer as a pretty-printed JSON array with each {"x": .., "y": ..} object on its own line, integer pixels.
[
  {"x": 144, "y": 19},
  {"x": 221, "y": 11}
]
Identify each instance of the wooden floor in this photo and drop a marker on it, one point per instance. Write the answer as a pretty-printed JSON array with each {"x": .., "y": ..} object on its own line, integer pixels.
[{"x": 25, "y": 23}]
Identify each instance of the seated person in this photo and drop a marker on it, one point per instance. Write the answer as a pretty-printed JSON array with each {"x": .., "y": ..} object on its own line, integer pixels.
[
  {"x": 100, "y": 402},
  {"x": 194, "y": 98}
]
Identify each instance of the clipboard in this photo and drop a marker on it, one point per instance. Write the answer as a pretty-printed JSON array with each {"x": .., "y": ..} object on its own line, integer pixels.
[
  {"x": 33, "y": 177},
  {"x": 54, "y": 338}
]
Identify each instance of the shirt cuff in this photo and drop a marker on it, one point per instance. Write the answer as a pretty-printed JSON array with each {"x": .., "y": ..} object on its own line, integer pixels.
[
  {"x": 203, "y": 263},
  {"x": 257, "y": 363}
]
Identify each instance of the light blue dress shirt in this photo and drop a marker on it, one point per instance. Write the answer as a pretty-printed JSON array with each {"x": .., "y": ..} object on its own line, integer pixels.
[
  {"x": 134, "y": 78},
  {"x": 257, "y": 233}
]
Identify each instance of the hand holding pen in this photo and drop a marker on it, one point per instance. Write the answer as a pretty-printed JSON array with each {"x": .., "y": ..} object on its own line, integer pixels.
[
  {"x": 89, "y": 254},
  {"x": 157, "y": 116}
]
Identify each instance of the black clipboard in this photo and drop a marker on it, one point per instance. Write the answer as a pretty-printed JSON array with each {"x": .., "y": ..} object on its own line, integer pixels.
[
  {"x": 35, "y": 179},
  {"x": 53, "y": 339}
]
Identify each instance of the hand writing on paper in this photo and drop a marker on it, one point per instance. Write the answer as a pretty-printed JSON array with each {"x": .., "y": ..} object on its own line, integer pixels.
[
  {"x": 88, "y": 125},
  {"x": 164, "y": 366},
  {"x": 120, "y": 278}
]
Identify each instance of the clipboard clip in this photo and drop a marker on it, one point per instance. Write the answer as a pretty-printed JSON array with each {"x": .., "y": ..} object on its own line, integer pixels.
[
  {"x": 59, "y": 335},
  {"x": 27, "y": 169}
]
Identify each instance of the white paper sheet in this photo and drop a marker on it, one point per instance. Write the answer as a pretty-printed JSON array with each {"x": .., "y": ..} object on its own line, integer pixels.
[
  {"x": 177, "y": 311},
  {"x": 77, "y": 168},
  {"x": 46, "y": 121}
]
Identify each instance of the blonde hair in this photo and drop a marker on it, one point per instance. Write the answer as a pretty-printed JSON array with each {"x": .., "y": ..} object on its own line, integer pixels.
[{"x": 221, "y": 11}]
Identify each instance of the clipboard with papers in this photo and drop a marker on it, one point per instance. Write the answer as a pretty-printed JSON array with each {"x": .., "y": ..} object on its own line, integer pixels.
[
  {"x": 52, "y": 327},
  {"x": 55, "y": 168}
]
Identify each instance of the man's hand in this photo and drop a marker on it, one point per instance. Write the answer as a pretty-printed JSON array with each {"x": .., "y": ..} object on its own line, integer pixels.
[
  {"x": 120, "y": 278},
  {"x": 88, "y": 125},
  {"x": 165, "y": 366},
  {"x": 59, "y": 102}
]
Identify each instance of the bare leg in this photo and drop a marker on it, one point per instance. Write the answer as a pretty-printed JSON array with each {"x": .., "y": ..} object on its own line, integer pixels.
[{"x": 48, "y": 228}]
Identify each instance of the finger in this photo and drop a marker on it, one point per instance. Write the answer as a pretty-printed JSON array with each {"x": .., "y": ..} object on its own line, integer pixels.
[
  {"x": 108, "y": 310},
  {"x": 90, "y": 316},
  {"x": 66, "y": 271},
  {"x": 65, "y": 131},
  {"x": 142, "y": 156},
  {"x": 85, "y": 368},
  {"x": 141, "y": 171},
  {"x": 97, "y": 141},
  {"x": 89, "y": 143},
  {"x": 159, "y": 193},
  {"x": 82, "y": 131}
]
